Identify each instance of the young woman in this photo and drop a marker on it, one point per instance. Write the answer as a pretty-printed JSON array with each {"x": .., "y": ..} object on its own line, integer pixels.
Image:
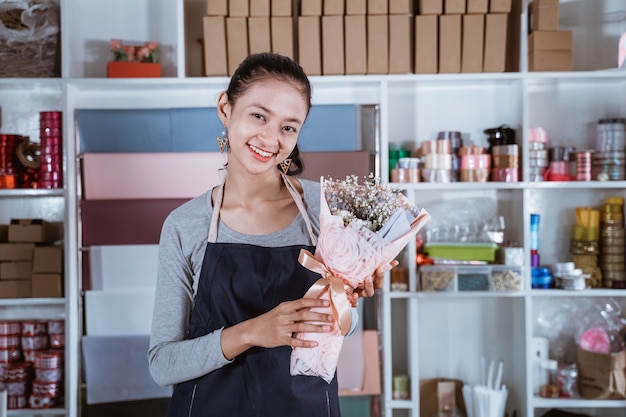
[{"x": 229, "y": 287}]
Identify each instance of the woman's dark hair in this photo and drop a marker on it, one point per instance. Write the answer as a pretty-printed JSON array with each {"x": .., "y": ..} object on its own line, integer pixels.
[{"x": 267, "y": 65}]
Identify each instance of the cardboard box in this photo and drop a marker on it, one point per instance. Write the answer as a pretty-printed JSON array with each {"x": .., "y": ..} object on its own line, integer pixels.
[
  {"x": 500, "y": 6},
  {"x": 454, "y": 6},
  {"x": 282, "y": 8},
  {"x": 15, "y": 288},
  {"x": 16, "y": 251},
  {"x": 401, "y": 44},
  {"x": 473, "y": 43},
  {"x": 312, "y": 7},
  {"x": 377, "y": 44},
  {"x": 310, "y": 44},
  {"x": 356, "y": 7},
  {"x": 217, "y": 7},
  {"x": 477, "y": 6},
  {"x": 260, "y": 8},
  {"x": 495, "y": 43},
  {"x": 215, "y": 56},
  {"x": 333, "y": 52},
  {"x": 539, "y": 60},
  {"x": 237, "y": 41},
  {"x": 283, "y": 37},
  {"x": 377, "y": 7},
  {"x": 238, "y": 8},
  {"x": 4, "y": 232},
  {"x": 540, "y": 40},
  {"x": 450, "y": 43},
  {"x": 543, "y": 15},
  {"x": 33, "y": 231},
  {"x": 48, "y": 259},
  {"x": 334, "y": 8},
  {"x": 428, "y": 7},
  {"x": 46, "y": 286},
  {"x": 16, "y": 270},
  {"x": 426, "y": 44},
  {"x": 541, "y": 3},
  {"x": 356, "y": 44},
  {"x": 401, "y": 7},
  {"x": 259, "y": 34}
]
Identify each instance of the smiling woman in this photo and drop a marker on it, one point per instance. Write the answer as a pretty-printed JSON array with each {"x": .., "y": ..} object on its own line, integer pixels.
[{"x": 227, "y": 306}]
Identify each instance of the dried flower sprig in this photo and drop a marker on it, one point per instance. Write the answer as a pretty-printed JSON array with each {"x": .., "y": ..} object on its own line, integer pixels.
[{"x": 369, "y": 203}]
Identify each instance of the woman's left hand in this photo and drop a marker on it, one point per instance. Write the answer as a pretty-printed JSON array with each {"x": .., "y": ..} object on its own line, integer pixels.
[{"x": 371, "y": 284}]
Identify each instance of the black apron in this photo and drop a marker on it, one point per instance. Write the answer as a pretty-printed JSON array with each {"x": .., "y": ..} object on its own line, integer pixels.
[{"x": 238, "y": 282}]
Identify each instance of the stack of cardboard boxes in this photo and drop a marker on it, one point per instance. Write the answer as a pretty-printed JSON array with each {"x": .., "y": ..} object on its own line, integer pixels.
[
  {"x": 360, "y": 36},
  {"x": 355, "y": 37},
  {"x": 233, "y": 29},
  {"x": 31, "y": 265},
  {"x": 454, "y": 36},
  {"x": 549, "y": 49}
]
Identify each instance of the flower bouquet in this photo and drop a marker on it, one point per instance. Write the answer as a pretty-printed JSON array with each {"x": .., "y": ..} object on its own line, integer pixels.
[
  {"x": 363, "y": 226},
  {"x": 133, "y": 60}
]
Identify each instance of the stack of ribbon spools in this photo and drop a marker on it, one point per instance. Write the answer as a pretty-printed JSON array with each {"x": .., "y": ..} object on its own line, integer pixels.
[
  {"x": 50, "y": 136},
  {"x": 585, "y": 244},
  {"x": 437, "y": 158},
  {"x": 612, "y": 243},
  {"x": 561, "y": 159},
  {"x": 504, "y": 154},
  {"x": 9, "y": 165},
  {"x": 31, "y": 362},
  {"x": 608, "y": 159},
  {"x": 537, "y": 154},
  {"x": 475, "y": 164}
]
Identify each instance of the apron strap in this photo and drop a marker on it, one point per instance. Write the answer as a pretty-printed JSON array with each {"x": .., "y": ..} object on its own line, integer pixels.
[
  {"x": 294, "y": 194},
  {"x": 216, "y": 213},
  {"x": 305, "y": 216}
]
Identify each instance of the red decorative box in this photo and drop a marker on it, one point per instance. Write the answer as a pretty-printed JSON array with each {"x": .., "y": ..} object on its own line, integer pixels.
[{"x": 120, "y": 69}]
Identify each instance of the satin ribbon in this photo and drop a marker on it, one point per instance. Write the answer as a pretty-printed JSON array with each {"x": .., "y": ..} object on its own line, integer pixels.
[{"x": 337, "y": 289}]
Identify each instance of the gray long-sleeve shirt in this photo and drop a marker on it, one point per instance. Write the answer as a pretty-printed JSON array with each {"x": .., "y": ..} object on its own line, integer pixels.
[{"x": 173, "y": 359}]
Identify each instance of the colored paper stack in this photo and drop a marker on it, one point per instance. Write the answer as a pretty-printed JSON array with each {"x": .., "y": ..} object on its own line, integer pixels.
[
  {"x": 585, "y": 245},
  {"x": 51, "y": 145},
  {"x": 612, "y": 243}
]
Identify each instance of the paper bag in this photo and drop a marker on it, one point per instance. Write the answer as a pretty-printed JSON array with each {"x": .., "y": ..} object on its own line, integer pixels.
[
  {"x": 430, "y": 395},
  {"x": 601, "y": 376}
]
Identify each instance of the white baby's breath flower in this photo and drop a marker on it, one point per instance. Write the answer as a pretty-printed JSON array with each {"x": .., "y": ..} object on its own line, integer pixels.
[{"x": 370, "y": 202}]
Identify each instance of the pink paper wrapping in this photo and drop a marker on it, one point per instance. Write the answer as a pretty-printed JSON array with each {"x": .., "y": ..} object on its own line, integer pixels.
[{"x": 345, "y": 255}]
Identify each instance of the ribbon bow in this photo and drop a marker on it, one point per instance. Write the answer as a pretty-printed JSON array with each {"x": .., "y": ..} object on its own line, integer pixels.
[{"x": 337, "y": 289}]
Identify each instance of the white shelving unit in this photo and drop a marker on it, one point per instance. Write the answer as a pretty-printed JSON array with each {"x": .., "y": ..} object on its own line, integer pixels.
[{"x": 422, "y": 335}]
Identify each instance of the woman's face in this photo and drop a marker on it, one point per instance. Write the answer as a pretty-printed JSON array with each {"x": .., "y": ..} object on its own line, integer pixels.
[{"x": 263, "y": 124}]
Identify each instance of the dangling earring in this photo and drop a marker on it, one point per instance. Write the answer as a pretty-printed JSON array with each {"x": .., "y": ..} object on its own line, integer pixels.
[
  {"x": 284, "y": 166},
  {"x": 222, "y": 141}
]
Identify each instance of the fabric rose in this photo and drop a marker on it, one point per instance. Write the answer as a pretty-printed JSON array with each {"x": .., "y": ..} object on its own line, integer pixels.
[
  {"x": 350, "y": 253},
  {"x": 321, "y": 360}
]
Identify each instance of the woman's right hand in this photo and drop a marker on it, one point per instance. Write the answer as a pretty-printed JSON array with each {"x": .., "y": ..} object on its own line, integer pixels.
[{"x": 278, "y": 326}]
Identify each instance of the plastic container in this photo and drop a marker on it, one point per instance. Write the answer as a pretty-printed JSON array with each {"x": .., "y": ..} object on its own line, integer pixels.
[
  {"x": 506, "y": 278},
  {"x": 462, "y": 278},
  {"x": 437, "y": 278},
  {"x": 462, "y": 251},
  {"x": 541, "y": 278}
]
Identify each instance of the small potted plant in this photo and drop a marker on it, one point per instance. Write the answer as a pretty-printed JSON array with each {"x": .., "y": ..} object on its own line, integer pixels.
[{"x": 133, "y": 60}]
